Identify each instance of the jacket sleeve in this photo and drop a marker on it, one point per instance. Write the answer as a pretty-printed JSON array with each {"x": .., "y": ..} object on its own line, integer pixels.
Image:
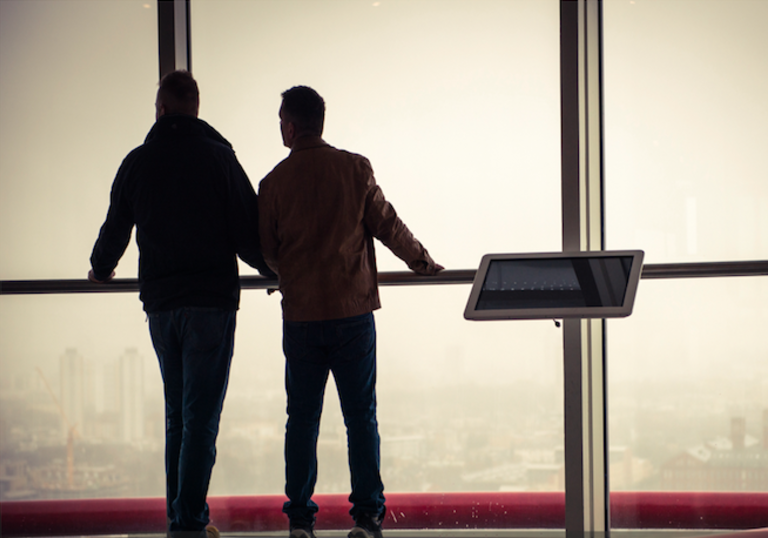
[
  {"x": 268, "y": 226},
  {"x": 244, "y": 219},
  {"x": 115, "y": 233},
  {"x": 382, "y": 221}
]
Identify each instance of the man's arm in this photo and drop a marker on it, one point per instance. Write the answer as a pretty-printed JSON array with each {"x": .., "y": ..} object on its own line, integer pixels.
[
  {"x": 114, "y": 236},
  {"x": 244, "y": 219},
  {"x": 384, "y": 224},
  {"x": 268, "y": 226}
]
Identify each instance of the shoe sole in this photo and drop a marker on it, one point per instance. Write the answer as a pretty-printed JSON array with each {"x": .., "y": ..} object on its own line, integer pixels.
[{"x": 359, "y": 532}]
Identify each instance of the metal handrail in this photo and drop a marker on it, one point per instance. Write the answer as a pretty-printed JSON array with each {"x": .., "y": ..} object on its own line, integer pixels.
[
  {"x": 705, "y": 269},
  {"x": 389, "y": 278}
]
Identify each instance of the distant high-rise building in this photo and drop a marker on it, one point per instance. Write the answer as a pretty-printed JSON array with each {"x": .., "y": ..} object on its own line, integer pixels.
[
  {"x": 71, "y": 386},
  {"x": 131, "y": 396},
  {"x": 106, "y": 393},
  {"x": 101, "y": 399}
]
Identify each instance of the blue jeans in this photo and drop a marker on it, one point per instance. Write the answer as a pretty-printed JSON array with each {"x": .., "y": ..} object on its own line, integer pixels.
[
  {"x": 347, "y": 348},
  {"x": 194, "y": 347}
]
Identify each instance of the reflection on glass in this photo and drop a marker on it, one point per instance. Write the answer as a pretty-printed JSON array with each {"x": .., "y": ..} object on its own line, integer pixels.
[{"x": 558, "y": 283}]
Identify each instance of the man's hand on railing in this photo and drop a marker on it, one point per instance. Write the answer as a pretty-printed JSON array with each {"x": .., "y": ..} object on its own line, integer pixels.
[
  {"x": 92, "y": 278},
  {"x": 425, "y": 267}
]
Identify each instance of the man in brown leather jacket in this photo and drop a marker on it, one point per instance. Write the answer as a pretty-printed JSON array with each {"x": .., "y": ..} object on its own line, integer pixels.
[{"x": 319, "y": 210}]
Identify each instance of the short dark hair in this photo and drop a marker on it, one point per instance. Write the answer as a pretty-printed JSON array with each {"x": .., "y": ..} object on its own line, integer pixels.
[
  {"x": 304, "y": 107},
  {"x": 179, "y": 93}
]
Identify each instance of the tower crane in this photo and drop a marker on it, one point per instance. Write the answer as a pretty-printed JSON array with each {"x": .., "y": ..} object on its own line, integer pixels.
[{"x": 71, "y": 433}]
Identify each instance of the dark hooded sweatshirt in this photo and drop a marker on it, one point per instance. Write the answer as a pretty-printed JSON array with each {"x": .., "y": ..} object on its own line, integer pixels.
[{"x": 194, "y": 209}]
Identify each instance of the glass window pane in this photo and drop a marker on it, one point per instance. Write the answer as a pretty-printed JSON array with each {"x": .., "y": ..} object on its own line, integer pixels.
[
  {"x": 76, "y": 383},
  {"x": 455, "y": 103},
  {"x": 457, "y": 106},
  {"x": 78, "y": 87},
  {"x": 475, "y": 132},
  {"x": 685, "y": 116},
  {"x": 79, "y": 82},
  {"x": 479, "y": 411},
  {"x": 689, "y": 387},
  {"x": 685, "y": 181}
]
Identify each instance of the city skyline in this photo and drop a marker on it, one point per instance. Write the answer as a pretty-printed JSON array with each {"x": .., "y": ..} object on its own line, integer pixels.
[{"x": 464, "y": 437}]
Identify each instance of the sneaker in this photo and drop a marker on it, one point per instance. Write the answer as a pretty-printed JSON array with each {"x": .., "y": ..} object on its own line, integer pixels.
[
  {"x": 360, "y": 532},
  {"x": 366, "y": 527},
  {"x": 209, "y": 532},
  {"x": 300, "y": 532}
]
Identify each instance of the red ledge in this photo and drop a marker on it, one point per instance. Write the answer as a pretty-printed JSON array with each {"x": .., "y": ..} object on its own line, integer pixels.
[{"x": 262, "y": 513}]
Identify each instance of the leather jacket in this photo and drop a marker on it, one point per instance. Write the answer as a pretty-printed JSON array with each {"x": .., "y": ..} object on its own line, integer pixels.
[{"x": 319, "y": 210}]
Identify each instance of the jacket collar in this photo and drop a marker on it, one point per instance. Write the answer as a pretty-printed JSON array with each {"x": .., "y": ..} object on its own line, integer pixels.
[{"x": 308, "y": 142}]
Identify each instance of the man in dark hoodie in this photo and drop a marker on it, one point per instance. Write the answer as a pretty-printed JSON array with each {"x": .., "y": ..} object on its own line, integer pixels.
[{"x": 195, "y": 211}]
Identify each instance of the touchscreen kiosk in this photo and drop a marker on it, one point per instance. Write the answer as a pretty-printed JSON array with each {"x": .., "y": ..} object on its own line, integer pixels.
[{"x": 555, "y": 285}]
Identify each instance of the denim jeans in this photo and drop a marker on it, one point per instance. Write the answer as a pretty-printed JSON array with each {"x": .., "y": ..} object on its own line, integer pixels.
[
  {"x": 194, "y": 347},
  {"x": 347, "y": 348}
]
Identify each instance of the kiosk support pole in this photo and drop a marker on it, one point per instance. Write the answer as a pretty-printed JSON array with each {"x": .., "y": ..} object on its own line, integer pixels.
[{"x": 586, "y": 458}]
